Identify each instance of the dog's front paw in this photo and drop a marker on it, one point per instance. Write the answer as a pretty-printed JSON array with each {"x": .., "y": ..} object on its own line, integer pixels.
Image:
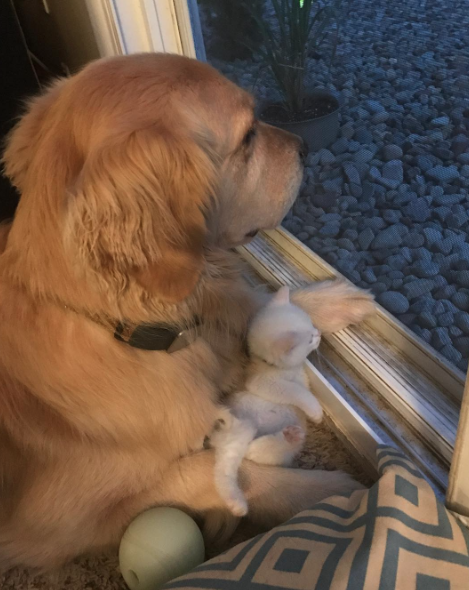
[{"x": 334, "y": 305}]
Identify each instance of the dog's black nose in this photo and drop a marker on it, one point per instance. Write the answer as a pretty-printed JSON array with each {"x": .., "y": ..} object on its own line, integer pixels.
[{"x": 303, "y": 151}]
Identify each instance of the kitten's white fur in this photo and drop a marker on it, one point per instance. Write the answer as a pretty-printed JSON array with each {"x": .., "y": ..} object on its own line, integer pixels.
[{"x": 265, "y": 423}]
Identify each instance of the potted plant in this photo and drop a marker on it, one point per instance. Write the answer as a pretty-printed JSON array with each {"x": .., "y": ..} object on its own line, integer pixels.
[{"x": 293, "y": 32}]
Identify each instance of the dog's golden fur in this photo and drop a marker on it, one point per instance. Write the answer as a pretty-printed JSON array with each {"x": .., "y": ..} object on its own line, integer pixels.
[{"x": 136, "y": 177}]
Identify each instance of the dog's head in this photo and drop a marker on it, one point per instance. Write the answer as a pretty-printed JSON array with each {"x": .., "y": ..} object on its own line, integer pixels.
[{"x": 133, "y": 167}]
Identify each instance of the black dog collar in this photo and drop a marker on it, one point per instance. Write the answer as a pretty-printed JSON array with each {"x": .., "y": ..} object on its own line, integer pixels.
[
  {"x": 161, "y": 337},
  {"x": 153, "y": 337}
]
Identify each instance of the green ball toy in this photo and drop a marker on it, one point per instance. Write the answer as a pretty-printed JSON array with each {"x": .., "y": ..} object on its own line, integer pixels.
[{"x": 159, "y": 545}]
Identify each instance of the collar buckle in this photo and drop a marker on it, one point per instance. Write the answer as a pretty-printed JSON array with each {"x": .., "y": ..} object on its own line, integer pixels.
[{"x": 182, "y": 340}]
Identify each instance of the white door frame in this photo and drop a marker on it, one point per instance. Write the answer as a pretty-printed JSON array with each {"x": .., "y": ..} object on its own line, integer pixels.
[{"x": 133, "y": 26}]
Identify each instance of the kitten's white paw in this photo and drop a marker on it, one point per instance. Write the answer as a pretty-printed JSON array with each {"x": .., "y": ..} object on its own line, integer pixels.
[
  {"x": 314, "y": 411},
  {"x": 294, "y": 435},
  {"x": 238, "y": 505},
  {"x": 317, "y": 416}
]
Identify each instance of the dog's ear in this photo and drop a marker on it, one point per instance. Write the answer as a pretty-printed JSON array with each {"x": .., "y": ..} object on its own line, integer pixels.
[
  {"x": 23, "y": 141},
  {"x": 137, "y": 210}
]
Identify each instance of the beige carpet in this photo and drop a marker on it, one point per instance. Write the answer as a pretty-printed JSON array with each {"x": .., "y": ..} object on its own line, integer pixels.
[{"x": 323, "y": 450}]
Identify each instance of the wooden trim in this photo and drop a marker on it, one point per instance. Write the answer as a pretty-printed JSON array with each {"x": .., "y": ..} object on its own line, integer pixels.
[
  {"x": 385, "y": 422},
  {"x": 347, "y": 423},
  {"x": 457, "y": 498}
]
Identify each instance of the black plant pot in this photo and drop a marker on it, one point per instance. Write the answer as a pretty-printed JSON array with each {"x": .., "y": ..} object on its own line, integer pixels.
[{"x": 318, "y": 131}]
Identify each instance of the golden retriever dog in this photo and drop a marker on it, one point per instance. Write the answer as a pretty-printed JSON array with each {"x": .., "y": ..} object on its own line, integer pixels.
[{"x": 138, "y": 177}]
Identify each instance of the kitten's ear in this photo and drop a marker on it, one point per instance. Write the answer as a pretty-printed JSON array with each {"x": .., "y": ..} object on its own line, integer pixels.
[
  {"x": 282, "y": 297},
  {"x": 285, "y": 343}
]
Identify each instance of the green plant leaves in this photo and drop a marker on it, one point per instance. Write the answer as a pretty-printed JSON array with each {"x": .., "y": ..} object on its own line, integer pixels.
[{"x": 294, "y": 28}]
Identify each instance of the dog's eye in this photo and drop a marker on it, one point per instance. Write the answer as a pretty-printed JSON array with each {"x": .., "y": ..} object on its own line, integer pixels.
[{"x": 250, "y": 135}]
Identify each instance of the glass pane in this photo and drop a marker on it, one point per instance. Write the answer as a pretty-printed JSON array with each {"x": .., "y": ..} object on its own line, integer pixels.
[{"x": 385, "y": 193}]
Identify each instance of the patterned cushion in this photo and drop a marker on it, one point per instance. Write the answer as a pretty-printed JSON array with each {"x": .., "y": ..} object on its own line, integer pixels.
[{"x": 396, "y": 536}]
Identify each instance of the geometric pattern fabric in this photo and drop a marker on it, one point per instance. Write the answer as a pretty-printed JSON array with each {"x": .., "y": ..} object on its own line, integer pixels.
[{"x": 395, "y": 536}]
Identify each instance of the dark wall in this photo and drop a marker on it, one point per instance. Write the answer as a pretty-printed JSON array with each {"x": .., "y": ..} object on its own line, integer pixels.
[
  {"x": 17, "y": 81},
  {"x": 63, "y": 38}
]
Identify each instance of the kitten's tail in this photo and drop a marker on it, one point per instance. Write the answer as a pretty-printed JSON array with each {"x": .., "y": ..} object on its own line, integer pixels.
[{"x": 231, "y": 443}]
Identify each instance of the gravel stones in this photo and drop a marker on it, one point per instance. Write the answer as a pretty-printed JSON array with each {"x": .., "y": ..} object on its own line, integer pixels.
[
  {"x": 451, "y": 353},
  {"x": 392, "y": 152},
  {"x": 448, "y": 200},
  {"x": 414, "y": 240},
  {"x": 424, "y": 163},
  {"x": 393, "y": 174},
  {"x": 440, "y": 122},
  {"x": 363, "y": 156},
  {"x": 445, "y": 320},
  {"x": 340, "y": 146},
  {"x": 388, "y": 238},
  {"x": 365, "y": 238},
  {"x": 432, "y": 236},
  {"x": 369, "y": 276},
  {"x": 443, "y": 173},
  {"x": 391, "y": 216},
  {"x": 465, "y": 170},
  {"x": 393, "y": 301},
  {"x": 417, "y": 288},
  {"x": 461, "y": 320},
  {"x": 380, "y": 118},
  {"x": 441, "y": 338},
  {"x": 462, "y": 345},
  {"x": 351, "y": 173},
  {"x": 425, "y": 269},
  {"x": 418, "y": 210},
  {"x": 348, "y": 130},
  {"x": 461, "y": 300},
  {"x": 374, "y": 106},
  {"x": 363, "y": 136},
  {"x": 326, "y": 157},
  {"x": 460, "y": 144},
  {"x": 397, "y": 262},
  {"x": 330, "y": 230},
  {"x": 427, "y": 320}
]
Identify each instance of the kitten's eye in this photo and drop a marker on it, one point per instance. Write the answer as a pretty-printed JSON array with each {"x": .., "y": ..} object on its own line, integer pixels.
[{"x": 250, "y": 135}]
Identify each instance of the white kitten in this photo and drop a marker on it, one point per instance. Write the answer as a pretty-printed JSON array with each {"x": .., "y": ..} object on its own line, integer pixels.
[{"x": 266, "y": 423}]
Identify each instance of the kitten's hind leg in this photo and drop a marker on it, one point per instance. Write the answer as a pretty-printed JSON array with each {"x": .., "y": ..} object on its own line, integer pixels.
[
  {"x": 277, "y": 449},
  {"x": 230, "y": 441}
]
